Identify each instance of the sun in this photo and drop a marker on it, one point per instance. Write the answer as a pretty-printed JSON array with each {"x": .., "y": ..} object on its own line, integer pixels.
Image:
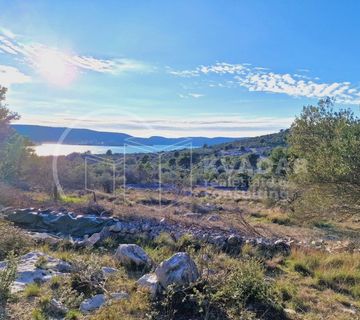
[{"x": 54, "y": 66}]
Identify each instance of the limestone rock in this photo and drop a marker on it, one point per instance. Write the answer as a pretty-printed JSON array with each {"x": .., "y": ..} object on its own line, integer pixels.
[
  {"x": 92, "y": 240},
  {"x": 107, "y": 271},
  {"x": 180, "y": 270},
  {"x": 28, "y": 270},
  {"x": 131, "y": 255},
  {"x": 92, "y": 303},
  {"x": 57, "y": 308},
  {"x": 150, "y": 283}
]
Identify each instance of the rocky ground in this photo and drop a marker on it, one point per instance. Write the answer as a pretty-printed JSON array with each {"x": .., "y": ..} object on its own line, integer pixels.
[{"x": 90, "y": 262}]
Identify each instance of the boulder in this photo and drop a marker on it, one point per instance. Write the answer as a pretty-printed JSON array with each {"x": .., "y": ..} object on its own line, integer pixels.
[
  {"x": 57, "y": 308},
  {"x": 150, "y": 283},
  {"x": 180, "y": 270},
  {"x": 92, "y": 303},
  {"x": 131, "y": 255},
  {"x": 92, "y": 240},
  {"x": 28, "y": 270}
]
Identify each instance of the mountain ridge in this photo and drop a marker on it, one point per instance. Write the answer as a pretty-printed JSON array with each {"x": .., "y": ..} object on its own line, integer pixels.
[{"x": 46, "y": 134}]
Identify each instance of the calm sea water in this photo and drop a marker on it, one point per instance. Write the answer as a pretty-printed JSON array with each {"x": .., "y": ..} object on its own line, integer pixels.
[{"x": 53, "y": 149}]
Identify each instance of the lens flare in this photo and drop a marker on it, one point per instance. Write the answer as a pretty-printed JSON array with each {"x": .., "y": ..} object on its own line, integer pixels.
[{"x": 54, "y": 67}]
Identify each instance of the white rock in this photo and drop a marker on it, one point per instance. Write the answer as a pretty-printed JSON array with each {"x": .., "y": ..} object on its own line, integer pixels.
[
  {"x": 180, "y": 270},
  {"x": 29, "y": 272},
  {"x": 150, "y": 283},
  {"x": 132, "y": 255},
  {"x": 107, "y": 271},
  {"x": 92, "y": 303},
  {"x": 57, "y": 307},
  {"x": 92, "y": 240}
]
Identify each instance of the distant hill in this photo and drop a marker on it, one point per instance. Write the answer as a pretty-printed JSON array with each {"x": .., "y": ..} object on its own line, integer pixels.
[
  {"x": 43, "y": 134},
  {"x": 272, "y": 140}
]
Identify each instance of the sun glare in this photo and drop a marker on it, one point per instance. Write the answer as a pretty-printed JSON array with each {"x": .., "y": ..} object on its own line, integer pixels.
[{"x": 53, "y": 66}]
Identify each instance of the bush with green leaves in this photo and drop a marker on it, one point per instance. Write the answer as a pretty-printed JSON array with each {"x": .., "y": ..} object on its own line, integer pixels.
[
  {"x": 13, "y": 240},
  {"x": 87, "y": 276},
  {"x": 7, "y": 277},
  {"x": 246, "y": 288}
]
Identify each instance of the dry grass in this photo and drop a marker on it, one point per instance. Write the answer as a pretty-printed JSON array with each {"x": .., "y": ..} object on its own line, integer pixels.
[
  {"x": 316, "y": 284},
  {"x": 323, "y": 283},
  {"x": 136, "y": 308}
]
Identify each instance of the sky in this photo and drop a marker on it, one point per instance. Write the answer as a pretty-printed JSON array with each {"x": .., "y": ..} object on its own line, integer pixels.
[{"x": 177, "y": 68}]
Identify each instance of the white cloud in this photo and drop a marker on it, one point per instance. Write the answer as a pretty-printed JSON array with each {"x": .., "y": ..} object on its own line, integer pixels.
[
  {"x": 7, "y": 33},
  {"x": 10, "y": 75},
  {"x": 196, "y": 95},
  {"x": 191, "y": 95},
  {"x": 261, "y": 80},
  {"x": 35, "y": 55},
  {"x": 184, "y": 73}
]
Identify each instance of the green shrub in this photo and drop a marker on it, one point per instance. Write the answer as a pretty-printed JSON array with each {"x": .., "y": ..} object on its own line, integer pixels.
[
  {"x": 68, "y": 296},
  {"x": 32, "y": 290},
  {"x": 41, "y": 262},
  {"x": 7, "y": 277},
  {"x": 165, "y": 239},
  {"x": 246, "y": 286},
  {"x": 110, "y": 243},
  {"x": 37, "y": 314},
  {"x": 55, "y": 282},
  {"x": 13, "y": 240},
  {"x": 187, "y": 242},
  {"x": 248, "y": 250},
  {"x": 195, "y": 301},
  {"x": 73, "y": 315},
  {"x": 87, "y": 276}
]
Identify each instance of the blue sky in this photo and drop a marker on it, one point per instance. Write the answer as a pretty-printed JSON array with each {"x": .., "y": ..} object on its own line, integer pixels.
[{"x": 177, "y": 68}]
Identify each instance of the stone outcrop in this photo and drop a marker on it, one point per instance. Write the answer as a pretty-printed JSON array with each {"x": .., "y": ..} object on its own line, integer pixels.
[
  {"x": 179, "y": 270},
  {"x": 36, "y": 266},
  {"x": 91, "y": 230},
  {"x": 97, "y": 301},
  {"x": 92, "y": 303},
  {"x": 59, "y": 222},
  {"x": 131, "y": 255},
  {"x": 56, "y": 308},
  {"x": 149, "y": 282}
]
